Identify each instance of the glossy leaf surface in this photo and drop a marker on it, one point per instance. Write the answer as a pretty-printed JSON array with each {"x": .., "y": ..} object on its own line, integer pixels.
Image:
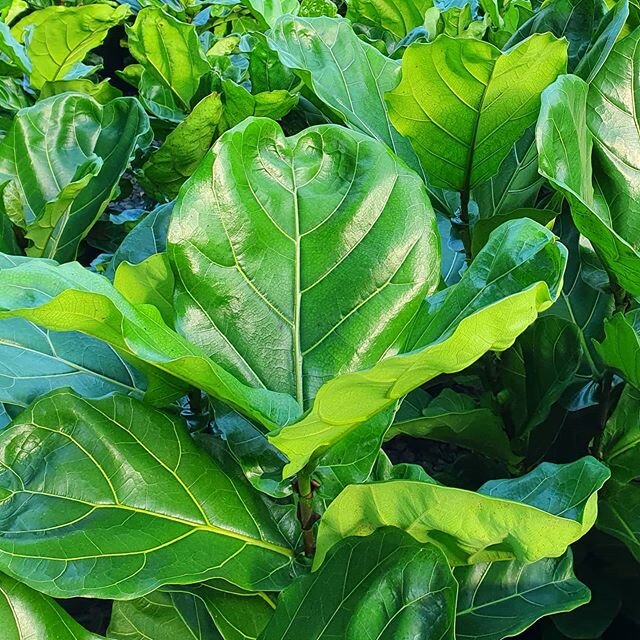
[
  {"x": 248, "y": 239},
  {"x": 64, "y": 157},
  {"x": 386, "y": 585},
  {"x": 518, "y": 273},
  {"x": 200, "y": 521},
  {"x": 528, "y": 518},
  {"x": 463, "y": 103}
]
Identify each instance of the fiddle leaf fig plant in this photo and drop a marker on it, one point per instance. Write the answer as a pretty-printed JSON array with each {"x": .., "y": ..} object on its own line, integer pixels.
[{"x": 319, "y": 320}]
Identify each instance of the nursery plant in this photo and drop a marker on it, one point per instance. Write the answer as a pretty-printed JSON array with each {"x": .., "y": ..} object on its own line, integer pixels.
[{"x": 319, "y": 320}]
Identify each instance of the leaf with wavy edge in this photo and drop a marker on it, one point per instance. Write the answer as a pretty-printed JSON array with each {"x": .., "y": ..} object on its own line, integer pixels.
[
  {"x": 70, "y": 298},
  {"x": 26, "y": 614},
  {"x": 59, "y": 38},
  {"x": 385, "y": 586},
  {"x": 526, "y": 519},
  {"x": 620, "y": 348},
  {"x": 517, "y": 275},
  {"x": 398, "y": 17},
  {"x": 347, "y": 74},
  {"x": 170, "y": 52},
  {"x": 66, "y": 466},
  {"x": 64, "y": 157},
  {"x": 300, "y": 258},
  {"x": 463, "y": 103},
  {"x": 620, "y": 514},
  {"x": 612, "y": 118},
  {"x": 564, "y": 158},
  {"x": 501, "y": 599}
]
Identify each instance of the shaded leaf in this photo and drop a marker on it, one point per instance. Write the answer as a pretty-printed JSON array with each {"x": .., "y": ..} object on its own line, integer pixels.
[
  {"x": 386, "y": 585},
  {"x": 501, "y": 599},
  {"x": 396, "y": 17},
  {"x": 26, "y": 614}
]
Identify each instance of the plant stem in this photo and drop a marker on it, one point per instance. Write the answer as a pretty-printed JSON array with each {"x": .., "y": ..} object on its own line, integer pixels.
[
  {"x": 306, "y": 515},
  {"x": 463, "y": 223}
]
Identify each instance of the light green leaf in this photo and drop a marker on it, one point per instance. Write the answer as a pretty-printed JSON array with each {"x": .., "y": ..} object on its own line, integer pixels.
[
  {"x": 170, "y": 52},
  {"x": 179, "y": 532},
  {"x": 455, "y": 418},
  {"x": 26, "y": 614},
  {"x": 288, "y": 250},
  {"x": 463, "y": 103},
  {"x": 386, "y": 586},
  {"x": 564, "y": 147},
  {"x": 71, "y": 298},
  {"x": 65, "y": 156},
  {"x": 177, "y": 158},
  {"x": 396, "y": 17},
  {"x": 267, "y": 12},
  {"x": 58, "y": 38},
  {"x": 102, "y": 92},
  {"x": 34, "y": 361},
  {"x": 501, "y": 599},
  {"x": 148, "y": 282},
  {"x": 526, "y": 519},
  {"x": 347, "y": 74},
  {"x": 517, "y": 275}
]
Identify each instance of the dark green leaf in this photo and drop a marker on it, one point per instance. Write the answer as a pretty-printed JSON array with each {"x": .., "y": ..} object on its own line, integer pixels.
[
  {"x": 102, "y": 459},
  {"x": 386, "y": 585}
]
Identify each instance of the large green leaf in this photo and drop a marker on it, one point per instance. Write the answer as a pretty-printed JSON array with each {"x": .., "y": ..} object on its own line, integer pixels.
[
  {"x": 528, "y": 518},
  {"x": 501, "y": 599},
  {"x": 612, "y": 118},
  {"x": 64, "y": 157},
  {"x": 185, "y": 518},
  {"x": 455, "y": 418},
  {"x": 71, "y": 298},
  {"x": 620, "y": 348},
  {"x": 463, "y": 103},
  {"x": 396, "y": 17},
  {"x": 288, "y": 251},
  {"x": 58, "y": 38},
  {"x": 386, "y": 586},
  {"x": 536, "y": 371},
  {"x": 34, "y": 361},
  {"x": 517, "y": 183},
  {"x": 208, "y": 611},
  {"x": 347, "y": 74},
  {"x": 517, "y": 275},
  {"x": 620, "y": 441},
  {"x": 177, "y": 158},
  {"x": 620, "y": 514},
  {"x": 268, "y": 11},
  {"x": 620, "y": 448},
  {"x": 170, "y": 54},
  {"x": 564, "y": 148},
  {"x": 575, "y": 20},
  {"x": 26, "y": 614}
]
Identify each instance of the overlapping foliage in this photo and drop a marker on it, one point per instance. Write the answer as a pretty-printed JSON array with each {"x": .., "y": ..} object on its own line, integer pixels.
[{"x": 319, "y": 320}]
